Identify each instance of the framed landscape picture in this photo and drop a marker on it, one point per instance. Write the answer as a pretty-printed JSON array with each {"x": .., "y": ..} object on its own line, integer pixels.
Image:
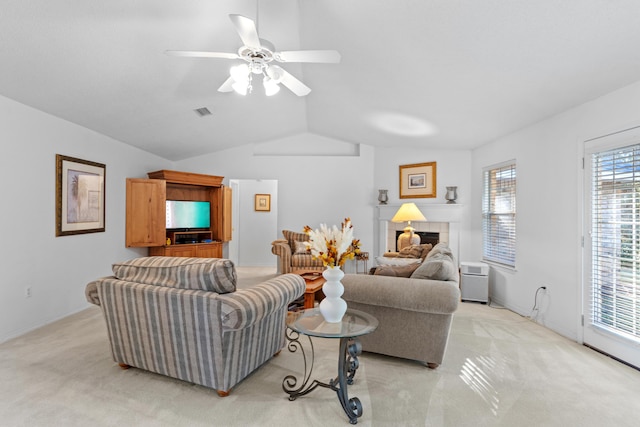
[
  {"x": 263, "y": 202},
  {"x": 80, "y": 196},
  {"x": 418, "y": 180}
]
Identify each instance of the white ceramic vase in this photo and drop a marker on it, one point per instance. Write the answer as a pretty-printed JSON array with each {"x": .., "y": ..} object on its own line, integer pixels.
[{"x": 332, "y": 306}]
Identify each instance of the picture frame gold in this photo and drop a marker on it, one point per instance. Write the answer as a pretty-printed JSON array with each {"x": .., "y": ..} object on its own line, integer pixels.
[
  {"x": 418, "y": 180},
  {"x": 80, "y": 196},
  {"x": 263, "y": 203}
]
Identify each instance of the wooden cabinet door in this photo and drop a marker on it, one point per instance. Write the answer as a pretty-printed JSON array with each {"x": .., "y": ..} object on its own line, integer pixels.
[
  {"x": 181, "y": 250},
  {"x": 213, "y": 250},
  {"x": 226, "y": 214},
  {"x": 146, "y": 212}
]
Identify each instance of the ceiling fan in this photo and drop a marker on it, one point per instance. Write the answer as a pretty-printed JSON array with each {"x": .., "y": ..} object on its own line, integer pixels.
[{"x": 259, "y": 55}]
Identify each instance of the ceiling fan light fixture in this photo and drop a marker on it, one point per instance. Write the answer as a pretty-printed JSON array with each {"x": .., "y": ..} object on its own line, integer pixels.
[
  {"x": 240, "y": 87},
  {"x": 271, "y": 87},
  {"x": 275, "y": 73},
  {"x": 240, "y": 73},
  {"x": 259, "y": 55}
]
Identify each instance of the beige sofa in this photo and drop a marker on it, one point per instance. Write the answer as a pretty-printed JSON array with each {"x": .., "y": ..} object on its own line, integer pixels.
[
  {"x": 292, "y": 254},
  {"x": 414, "y": 313},
  {"x": 184, "y": 318}
]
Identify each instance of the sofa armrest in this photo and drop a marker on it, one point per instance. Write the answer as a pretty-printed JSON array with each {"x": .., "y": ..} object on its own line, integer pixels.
[
  {"x": 248, "y": 306},
  {"x": 281, "y": 248},
  {"x": 429, "y": 296},
  {"x": 91, "y": 292}
]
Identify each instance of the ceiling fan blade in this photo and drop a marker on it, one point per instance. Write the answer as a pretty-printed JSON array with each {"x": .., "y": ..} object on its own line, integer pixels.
[
  {"x": 227, "y": 85},
  {"x": 246, "y": 29},
  {"x": 294, "y": 85},
  {"x": 196, "y": 54},
  {"x": 325, "y": 56}
]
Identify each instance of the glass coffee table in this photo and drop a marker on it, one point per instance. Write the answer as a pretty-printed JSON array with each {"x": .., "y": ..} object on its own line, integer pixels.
[{"x": 310, "y": 323}]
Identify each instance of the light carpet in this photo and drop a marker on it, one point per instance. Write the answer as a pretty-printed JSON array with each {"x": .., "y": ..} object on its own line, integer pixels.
[{"x": 500, "y": 370}]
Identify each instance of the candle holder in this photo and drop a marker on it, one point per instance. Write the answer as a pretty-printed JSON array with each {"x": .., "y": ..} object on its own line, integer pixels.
[
  {"x": 383, "y": 198},
  {"x": 451, "y": 195}
]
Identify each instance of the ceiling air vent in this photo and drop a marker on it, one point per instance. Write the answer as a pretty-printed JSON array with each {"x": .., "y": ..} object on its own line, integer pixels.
[{"x": 204, "y": 111}]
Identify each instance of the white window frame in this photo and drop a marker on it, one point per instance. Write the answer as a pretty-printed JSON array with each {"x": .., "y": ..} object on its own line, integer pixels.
[{"x": 499, "y": 242}]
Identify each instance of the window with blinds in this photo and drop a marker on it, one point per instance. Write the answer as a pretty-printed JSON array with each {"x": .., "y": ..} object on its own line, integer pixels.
[
  {"x": 499, "y": 214},
  {"x": 615, "y": 240}
]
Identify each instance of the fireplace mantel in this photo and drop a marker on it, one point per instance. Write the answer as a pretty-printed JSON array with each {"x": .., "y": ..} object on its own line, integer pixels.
[{"x": 443, "y": 213}]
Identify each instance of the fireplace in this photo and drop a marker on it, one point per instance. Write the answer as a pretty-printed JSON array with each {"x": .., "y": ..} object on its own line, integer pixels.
[
  {"x": 442, "y": 219},
  {"x": 425, "y": 237}
]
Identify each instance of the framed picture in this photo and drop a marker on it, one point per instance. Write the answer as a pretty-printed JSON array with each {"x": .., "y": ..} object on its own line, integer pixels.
[
  {"x": 263, "y": 202},
  {"x": 418, "y": 180},
  {"x": 80, "y": 196}
]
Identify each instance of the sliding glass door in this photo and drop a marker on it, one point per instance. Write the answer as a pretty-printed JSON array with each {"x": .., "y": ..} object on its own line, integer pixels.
[{"x": 611, "y": 289}]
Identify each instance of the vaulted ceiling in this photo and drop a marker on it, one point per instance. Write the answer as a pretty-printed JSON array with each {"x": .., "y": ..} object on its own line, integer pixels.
[{"x": 417, "y": 73}]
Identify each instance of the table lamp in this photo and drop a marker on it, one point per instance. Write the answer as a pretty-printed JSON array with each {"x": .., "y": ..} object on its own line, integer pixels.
[{"x": 408, "y": 212}]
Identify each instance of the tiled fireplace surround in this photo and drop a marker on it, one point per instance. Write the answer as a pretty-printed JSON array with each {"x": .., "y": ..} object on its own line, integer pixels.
[{"x": 441, "y": 218}]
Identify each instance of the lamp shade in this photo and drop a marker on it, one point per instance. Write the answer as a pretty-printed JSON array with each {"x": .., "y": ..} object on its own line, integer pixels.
[{"x": 408, "y": 212}]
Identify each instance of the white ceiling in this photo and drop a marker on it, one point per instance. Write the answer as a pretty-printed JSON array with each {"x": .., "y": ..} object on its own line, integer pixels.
[{"x": 419, "y": 73}]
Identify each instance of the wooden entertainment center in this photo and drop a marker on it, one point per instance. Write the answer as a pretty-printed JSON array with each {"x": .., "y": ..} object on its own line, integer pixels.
[{"x": 146, "y": 214}]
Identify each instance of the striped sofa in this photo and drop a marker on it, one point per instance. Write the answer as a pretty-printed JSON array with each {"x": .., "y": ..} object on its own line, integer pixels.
[
  {"x": 292, "y": 255},
  {"x": 184, "y": 318}
]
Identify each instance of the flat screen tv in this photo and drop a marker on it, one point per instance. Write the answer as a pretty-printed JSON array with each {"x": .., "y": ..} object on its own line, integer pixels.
[{"x": 188, "y": 214}]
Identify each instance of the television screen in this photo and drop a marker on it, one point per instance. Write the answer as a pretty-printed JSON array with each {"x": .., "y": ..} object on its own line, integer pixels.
[{"x": 188, "y": 214}]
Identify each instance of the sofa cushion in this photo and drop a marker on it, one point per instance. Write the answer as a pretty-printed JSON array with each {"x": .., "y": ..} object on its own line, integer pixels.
[
  {"x": 436, "y": 267},
  {"x": 306, "y": 260},
  {"x": 396, "y": 270},
  {"x": 294, "y": 236},
  {"x": 208, "y": 274},
  {"x": 396, "y": 261}
]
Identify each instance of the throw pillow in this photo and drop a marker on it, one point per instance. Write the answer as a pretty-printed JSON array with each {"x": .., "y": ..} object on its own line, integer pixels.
[
  {"x": 436, "y": 267},
  {"x": 207, "y": 274},
  {"x": 411, "y": 251},
  {"x": 294, "y": 236},
  {"x": 300, "y": 248},
  {"x": 396, "y": 270},
  {"x": 440, "y": 248},
  {"x": 426, "y": 248},
  {"x": 396, "y": 261}
]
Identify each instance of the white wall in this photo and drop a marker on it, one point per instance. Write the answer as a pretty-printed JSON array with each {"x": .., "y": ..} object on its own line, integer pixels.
[
  {"x": 548, "y": 164},
  {"x": 323, "y": 188},
  {"x": 56, "y": 268},
  {"x": 453, "y": 168},
  {"x": 312, "y": 189}
]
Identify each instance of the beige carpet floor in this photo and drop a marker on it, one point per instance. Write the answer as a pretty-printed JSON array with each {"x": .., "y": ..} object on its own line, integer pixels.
[{"x": 500, "y": 370}]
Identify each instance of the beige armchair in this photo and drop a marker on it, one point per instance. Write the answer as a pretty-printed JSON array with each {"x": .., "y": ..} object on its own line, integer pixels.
[{"x": 292, "y": 254}]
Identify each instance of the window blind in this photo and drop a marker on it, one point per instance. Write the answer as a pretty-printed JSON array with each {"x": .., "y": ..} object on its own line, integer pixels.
[
  {"x": 499, "y": 215},
  {"x": 615, "y": 241}
]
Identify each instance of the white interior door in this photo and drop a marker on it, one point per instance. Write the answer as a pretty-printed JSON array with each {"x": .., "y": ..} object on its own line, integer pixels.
[{"x": 611, "y": 285}]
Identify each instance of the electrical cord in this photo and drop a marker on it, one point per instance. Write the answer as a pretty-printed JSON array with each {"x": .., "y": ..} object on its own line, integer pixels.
[{"x": 535, "y": 300}]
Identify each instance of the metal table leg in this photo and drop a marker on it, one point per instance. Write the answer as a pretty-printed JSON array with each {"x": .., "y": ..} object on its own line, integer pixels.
[{"x": 350, "y": 349}]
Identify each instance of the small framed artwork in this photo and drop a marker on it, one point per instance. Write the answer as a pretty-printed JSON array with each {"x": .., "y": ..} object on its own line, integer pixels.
[
  {"x": 418, "y": 180},
  {"x": 80, "y": 196},
  {"x": 263, "y": 202}
]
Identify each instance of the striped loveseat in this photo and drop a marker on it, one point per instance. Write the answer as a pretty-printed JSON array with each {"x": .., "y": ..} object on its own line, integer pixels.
[{"x": 182, "y": 317}]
